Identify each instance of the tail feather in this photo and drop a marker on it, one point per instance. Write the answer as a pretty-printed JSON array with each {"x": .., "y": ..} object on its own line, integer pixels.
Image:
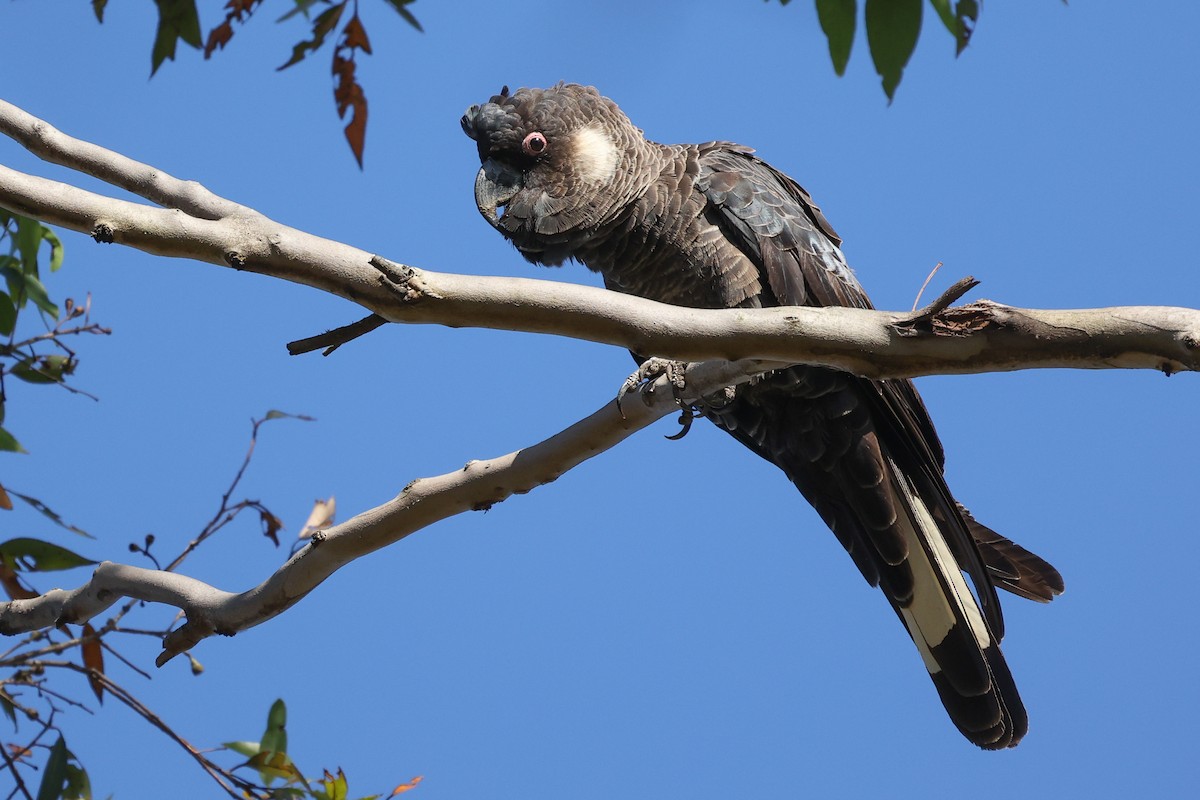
[
  {"x": 990, "y": 720},
  {"x": 860, "y": 453},
  {"x": 1011, "y": 566},
  {"x": 958, "y": 647}
]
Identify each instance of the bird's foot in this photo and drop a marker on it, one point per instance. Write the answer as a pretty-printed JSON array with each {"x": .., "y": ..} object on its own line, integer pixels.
[{"x": 643, "y": 382}]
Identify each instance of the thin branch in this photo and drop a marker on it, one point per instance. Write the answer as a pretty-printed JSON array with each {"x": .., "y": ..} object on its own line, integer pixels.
[
  {"x": 224, "y": 514},
  {"x": 332, "y": 340},
  {"x": 928, "y": 278},
  {"x": 16, "y": 773},
  {"x": 222, "y": 776},
  {"x": 44, "y": 691},
  {"x": 117, "y": 653},
  {"x": 50, "y": 144},
  {"x": 943, "y": 301},
  {"x": 477, "y": 486}
]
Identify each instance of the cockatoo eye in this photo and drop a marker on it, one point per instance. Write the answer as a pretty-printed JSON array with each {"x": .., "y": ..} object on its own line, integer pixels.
[{"x": 534, "y": 144}]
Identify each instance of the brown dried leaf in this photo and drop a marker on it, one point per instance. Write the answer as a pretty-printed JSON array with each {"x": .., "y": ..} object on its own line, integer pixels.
[
  {"x": 272, "y": 525},
  {"x": 93, "y": 659},
  {"x": 219, "y": 36},
  {"x": 356, "y": 35},
  {"x": 18, "y": 752},
  {"x": 323, "y": 24},
  {"x": 348, "y": 94},
  {"x": 12, "y": 584},
  {"x": 5, "y": 500}
]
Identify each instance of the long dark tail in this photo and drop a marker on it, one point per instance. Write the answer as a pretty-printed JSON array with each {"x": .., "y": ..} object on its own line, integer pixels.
[
  {"x": 866, "y": 457},
  {"x": 954, "y": 639}
]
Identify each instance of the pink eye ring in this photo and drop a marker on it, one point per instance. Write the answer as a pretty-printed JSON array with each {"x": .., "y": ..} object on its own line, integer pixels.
[{"x": 534, "y": 144}]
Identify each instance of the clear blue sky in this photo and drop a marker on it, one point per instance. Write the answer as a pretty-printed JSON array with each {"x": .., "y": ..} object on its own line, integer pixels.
[{"x": 671, "y": 619}]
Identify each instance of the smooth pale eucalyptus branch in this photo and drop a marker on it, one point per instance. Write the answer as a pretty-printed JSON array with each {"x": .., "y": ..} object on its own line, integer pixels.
[
  {"x": 982, "y": 337},
  {"x": 477, "y": 486}
]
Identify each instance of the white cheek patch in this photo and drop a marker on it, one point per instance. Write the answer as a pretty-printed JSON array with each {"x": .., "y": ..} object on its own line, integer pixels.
[{"x": 595, "y": 155}]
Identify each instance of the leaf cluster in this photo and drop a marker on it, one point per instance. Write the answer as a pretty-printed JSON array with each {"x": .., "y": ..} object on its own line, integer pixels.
[
  {"x": 269, "y": 758},
  {"x": 179, "y": 21},
  {"x": 28, "y": 692},
  {"x": 893, "y": 27}
]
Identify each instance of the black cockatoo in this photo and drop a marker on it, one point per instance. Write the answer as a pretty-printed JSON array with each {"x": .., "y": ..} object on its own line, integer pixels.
[{"x": 712, "y": 226}]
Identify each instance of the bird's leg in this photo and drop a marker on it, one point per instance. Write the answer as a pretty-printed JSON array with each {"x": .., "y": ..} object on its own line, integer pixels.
[{"x": 643, "y": 381}]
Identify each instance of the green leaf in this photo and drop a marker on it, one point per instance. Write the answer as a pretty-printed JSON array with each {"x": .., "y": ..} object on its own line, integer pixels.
[
  {"x": 6, "y": 705},
  {"x": 324, "y": 23},
  {"x": 275, "y": 413},
  {"x": 399, "y": 5},
  {"x": 946, "y": 14},
  {"x": 274, "y": 738},
  {"x": 55, "y": 774},
  {"x": 27, "y": 371},
  {"x": 177, "y": 19},
  {"x": 23, "y": 551},
  {"x": 79, "y": 785},
  {"x": 273, "y": 766},
  {"x": 9, "y": 443},
  {"x": 302, "y": 7},
  {"x": 29, "y": 239},
  {"x": 336, "y": 787},
  {"x": 56, "y": 248},
  {"x": 892, "y": 30},
  {"x": 24, "y": 286},
  {"x": 8, "y": 314},
  {"x": 49, "y": 513},
  {"x": 44, "y": 369},
  {"x": 960, "y": 20},
  {"x": 98, "y": 9},
  {"x": 837, "y": 19},
  {"x": 967, "y": 12},
  {"x": 247, "y": 749},
  {"x": 14, "y": 278},
  {"x": 36, "y": 292}
]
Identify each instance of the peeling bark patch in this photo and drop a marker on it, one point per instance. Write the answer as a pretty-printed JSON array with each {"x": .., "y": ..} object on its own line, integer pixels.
[
  {"x": 103, "y": 233},
  {"x": 960, "y": 321},
  {"x": 964, "y": 320}
]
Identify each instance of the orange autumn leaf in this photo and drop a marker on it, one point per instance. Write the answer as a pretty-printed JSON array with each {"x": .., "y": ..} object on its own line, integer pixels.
[
  {"x": 93, "y": 659},
  {"x": 404, "y": 787}
]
